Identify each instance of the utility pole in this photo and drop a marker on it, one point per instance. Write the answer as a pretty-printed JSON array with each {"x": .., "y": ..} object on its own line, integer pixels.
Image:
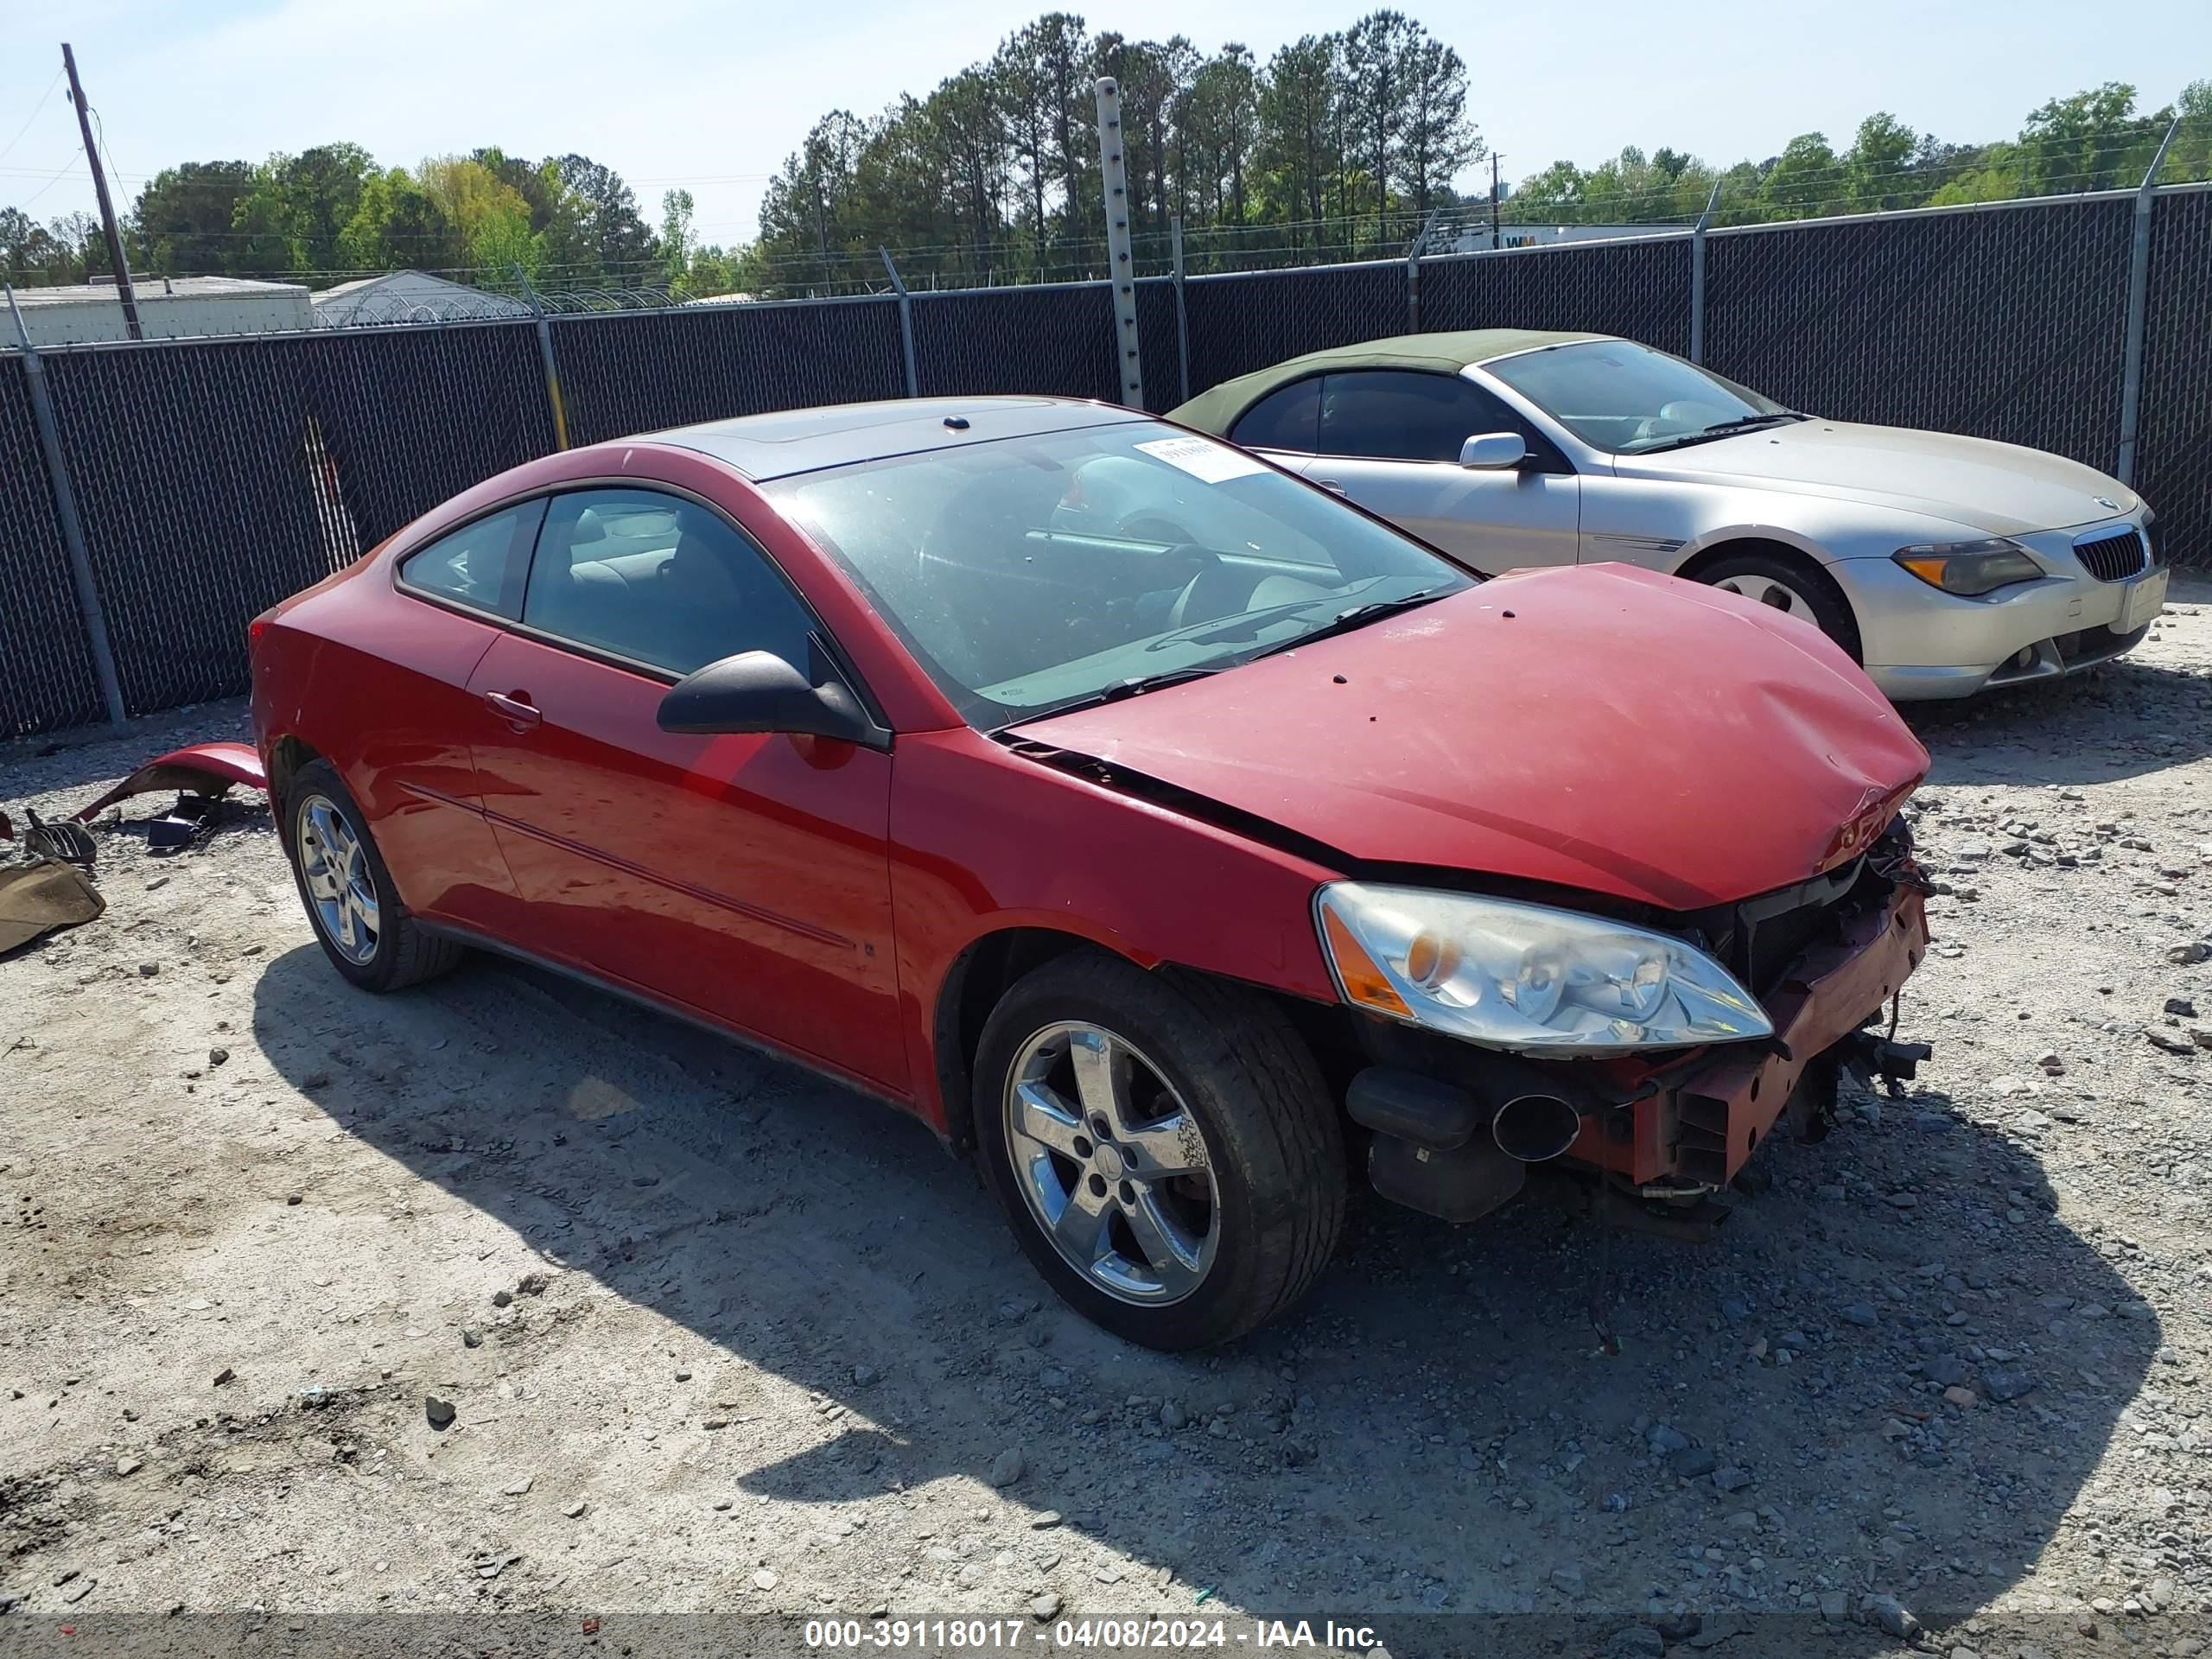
[
  {"x": 123, "y": 289},
  {"x": 1495, "y": 240}
]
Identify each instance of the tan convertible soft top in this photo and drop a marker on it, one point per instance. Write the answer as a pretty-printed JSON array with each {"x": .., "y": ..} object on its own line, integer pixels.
[{"x": 1217, "y": 410}]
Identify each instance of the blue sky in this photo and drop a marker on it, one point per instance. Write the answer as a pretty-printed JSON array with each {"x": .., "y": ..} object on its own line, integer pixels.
[{"x": 711, "y": 95}]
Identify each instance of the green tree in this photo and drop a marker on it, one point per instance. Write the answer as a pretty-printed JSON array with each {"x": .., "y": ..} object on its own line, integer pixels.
[
  {"x": 1879, "y": 171},
  {"x": 2092, "y": 141},
  {"x": 1803, "y": 180},
  {"x": 182, "y": 222},
  {"x": 2190, "y": 158},
  {"x": 675, "y": 241},
  {"x": 487, "y": 214},
  {"x": 299, "y": 206},
  {"x": 1379, "y": 51},
  {"x": 606, "y": 212},
  {"x": 1297, "y": 123},
  {"x": 397, "y": 226},
  {"x": 1437, "y": 137}
]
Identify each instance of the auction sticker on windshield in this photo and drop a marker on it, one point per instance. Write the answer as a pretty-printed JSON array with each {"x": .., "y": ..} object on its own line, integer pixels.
[{"x": 1213, "y": 463}]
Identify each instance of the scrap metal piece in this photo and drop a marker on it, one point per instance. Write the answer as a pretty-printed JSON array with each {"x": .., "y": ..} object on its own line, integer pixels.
[
  {"x": 202, "y": 768},
  {"x": 66, "y": 842},
  {"x": 37, "y": 898},
  {"x": 193, "y": 818}
]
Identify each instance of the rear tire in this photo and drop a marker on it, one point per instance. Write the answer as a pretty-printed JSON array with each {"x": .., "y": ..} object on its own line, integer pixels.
[
  {"x": 1799, "y": 589},
  {"x": 1216, "y": 1193},
  {"x": 347, "y": 893}
]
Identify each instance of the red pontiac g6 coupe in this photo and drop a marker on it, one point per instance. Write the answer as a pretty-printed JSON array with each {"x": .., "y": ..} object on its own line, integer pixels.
[{"x": 1164, "y": 829}]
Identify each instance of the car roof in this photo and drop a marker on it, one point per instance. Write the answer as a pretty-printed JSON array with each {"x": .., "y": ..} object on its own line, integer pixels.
[
  {"x": 1217, "y": 411},
  {"x": 764, "y": 447}
]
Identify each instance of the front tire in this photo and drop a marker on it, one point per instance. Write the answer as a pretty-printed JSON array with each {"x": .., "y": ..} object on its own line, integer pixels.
[
  {"x": 1163, "y": 1145},
  {"x": 1799, "y": 589},
  {"x": 348, "y": 894}
]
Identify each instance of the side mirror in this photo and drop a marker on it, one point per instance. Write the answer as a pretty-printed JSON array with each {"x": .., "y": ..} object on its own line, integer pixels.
[
  {"x": 758, "y": 691},
  {"x": 1493, "y": 452}
]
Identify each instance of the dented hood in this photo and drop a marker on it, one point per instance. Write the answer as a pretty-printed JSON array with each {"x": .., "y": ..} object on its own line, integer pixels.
[{"x": 1601, "y": 728}]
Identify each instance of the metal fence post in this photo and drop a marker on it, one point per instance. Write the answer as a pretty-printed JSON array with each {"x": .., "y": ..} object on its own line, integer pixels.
[
  {"x": 2139, "y": 297},
  {"x": 89, "y": 609},
  {"x": 1697, "y": 275},
  {"x": 1114, "y": 177},
  {"x": 906, "y": 324},
  {"x": 545, "y": 353},
  {"x": 1182, "y": 317},
  {"x": 1413, "y": 274}
]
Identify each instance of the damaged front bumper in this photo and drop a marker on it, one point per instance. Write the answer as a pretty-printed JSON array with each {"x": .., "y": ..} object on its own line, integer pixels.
[{"x": 1684, "y": 1126}]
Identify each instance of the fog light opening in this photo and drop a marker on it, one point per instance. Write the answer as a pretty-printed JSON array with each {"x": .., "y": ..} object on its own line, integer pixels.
[{"x": 1535, "y": 1128}]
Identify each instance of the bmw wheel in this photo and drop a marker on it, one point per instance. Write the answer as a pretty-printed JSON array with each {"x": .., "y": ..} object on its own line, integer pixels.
[
  {"x": 1163, "y": 1145},
  {"x": 1802, "y": 590},
  {"x": 348, "y": 894}
]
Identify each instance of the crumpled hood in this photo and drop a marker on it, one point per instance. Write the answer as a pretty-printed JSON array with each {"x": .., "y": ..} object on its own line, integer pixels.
[
  {"x": 2000, "y": 489},
  {"x": 1601, "y": 728}
]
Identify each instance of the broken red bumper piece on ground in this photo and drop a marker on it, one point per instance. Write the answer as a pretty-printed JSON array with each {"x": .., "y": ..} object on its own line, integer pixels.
[{"x": 201, "y": 768}]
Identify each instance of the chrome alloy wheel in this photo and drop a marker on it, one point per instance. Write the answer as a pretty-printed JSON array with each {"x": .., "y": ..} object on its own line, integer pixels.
[
  {"x": 1775, "y": 594},
  {"x": 1112, "y": 1164},
  {"x": 341, "y": 892}
]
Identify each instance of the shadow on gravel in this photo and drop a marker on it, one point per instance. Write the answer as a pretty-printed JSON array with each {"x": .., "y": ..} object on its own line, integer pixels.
[
  {"x": 1891, "y": 1375},
  {"x": 2121, "y": 720}
]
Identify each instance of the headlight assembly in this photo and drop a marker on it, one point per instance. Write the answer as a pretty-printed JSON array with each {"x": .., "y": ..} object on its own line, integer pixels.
[
  {"x": 1526, "y": 977},
  {"x": 1970, "y": 568}
]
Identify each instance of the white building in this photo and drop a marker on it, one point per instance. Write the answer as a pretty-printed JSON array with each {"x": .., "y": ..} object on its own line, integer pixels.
[
  {"x": 410, "y": 296},
  {"x": 1476, "y": 238},
  {"x": 169, "y": 307}
]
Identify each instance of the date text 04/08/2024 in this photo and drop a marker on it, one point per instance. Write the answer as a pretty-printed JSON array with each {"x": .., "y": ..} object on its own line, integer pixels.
[{"x": 1256, "y": 1635}]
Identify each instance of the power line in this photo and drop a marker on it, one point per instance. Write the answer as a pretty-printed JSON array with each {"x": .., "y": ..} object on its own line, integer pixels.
[{"x": 37, "y": 110}]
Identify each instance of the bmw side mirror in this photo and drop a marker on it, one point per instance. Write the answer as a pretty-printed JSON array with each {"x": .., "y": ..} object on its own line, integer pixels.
[
  {"x": 1493, "y": 452},
  {"x": 758, "y": 691}
]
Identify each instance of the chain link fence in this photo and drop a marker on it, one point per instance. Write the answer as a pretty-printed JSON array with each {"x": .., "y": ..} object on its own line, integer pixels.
[
  {"x": 643, "y": 371},
  {"x": 2006, "y": 322},
  {"x": 2174, "y": 450},
  {"x": 45, "y": 666},
  {"x": 213, "y": 477}
]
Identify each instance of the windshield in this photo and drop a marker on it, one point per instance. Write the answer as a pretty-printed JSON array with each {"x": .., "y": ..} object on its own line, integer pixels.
[
  {"x": 1034, "y": 574},
  {"x": 1618, "y": 396}
]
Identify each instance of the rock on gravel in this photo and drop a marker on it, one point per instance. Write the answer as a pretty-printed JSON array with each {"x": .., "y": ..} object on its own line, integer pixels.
[
  {"x": 1892, "y": 1617},
  {"x": 1008, "y": 1466}
]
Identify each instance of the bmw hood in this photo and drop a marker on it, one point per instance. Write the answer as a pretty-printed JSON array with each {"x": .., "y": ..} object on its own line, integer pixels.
[
  {"x": 1599, "y": 727},
  {"x": 2000, "y": 489}
]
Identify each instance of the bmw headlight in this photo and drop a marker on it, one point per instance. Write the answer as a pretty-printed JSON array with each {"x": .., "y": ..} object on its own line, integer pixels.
[
  {"x": 1517, "y": 977},
  {"x": 1970, "y": 568}
]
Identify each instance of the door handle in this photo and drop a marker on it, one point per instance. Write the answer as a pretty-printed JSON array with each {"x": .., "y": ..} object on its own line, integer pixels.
[
  {"x": 1331, "y": 485},
  {"x": 515, "y": 707}
]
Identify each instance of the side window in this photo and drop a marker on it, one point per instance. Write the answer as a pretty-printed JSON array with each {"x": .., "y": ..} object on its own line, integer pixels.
[
  {"x": 660, "y": 581},
  {"x": 481, "y": 564},
  {"x": 1286, "y": 418},
  {"x": 1404, "y": 415}
]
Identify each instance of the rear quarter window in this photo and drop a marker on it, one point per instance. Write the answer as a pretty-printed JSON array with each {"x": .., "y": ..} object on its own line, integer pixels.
[{"x": 481, "y": 564}]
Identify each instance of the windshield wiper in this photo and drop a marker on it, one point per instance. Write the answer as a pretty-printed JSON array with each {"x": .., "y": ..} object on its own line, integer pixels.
[
  {"x": 1217, "y": 628},
  {"x": 1135, "y": 686},
  {"x": 1358, "y": 616},
  {"x": 1723, "y": 429}
]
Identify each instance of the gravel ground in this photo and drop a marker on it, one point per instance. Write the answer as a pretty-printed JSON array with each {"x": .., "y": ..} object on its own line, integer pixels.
[{"x": 720, "y": 1338}]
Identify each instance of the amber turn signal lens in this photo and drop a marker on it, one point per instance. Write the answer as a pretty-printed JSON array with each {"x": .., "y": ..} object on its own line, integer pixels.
[{"x": 1363, "y": 981}]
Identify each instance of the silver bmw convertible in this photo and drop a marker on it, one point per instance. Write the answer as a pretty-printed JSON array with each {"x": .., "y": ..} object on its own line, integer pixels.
[{"x": 1943, "y": 563}]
